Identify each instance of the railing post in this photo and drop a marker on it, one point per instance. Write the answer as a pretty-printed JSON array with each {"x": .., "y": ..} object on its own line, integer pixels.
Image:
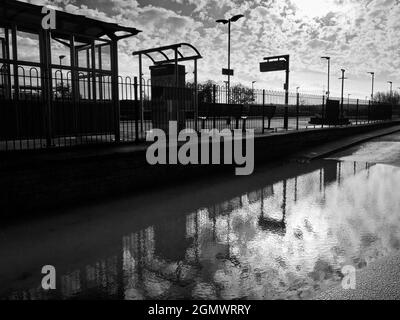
[
  {"x": 136, "y": 106},
  {"x": 358, "y": 106},
  {"x": 369, "y": 112},
  {"x": 214, "y": 106},
  {"x": 47, "y": 95},
  {"x": 115, "y": 90},
  {"x": 297, "y": 110},
  {"x": 263, "y": 113},
  {"x": 286, "y": 118}
]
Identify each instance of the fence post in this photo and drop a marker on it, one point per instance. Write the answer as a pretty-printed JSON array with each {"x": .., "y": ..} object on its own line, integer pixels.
[
  {"x": 369, "y": 111},
  {"x": 263, "y": 113},
  {"x": 214, "y": 107},
  {"x": 323, "y": 110},
  {"x": 297, "y": 110},
  {"x": 46, "y": 85},
  {"x": 196, "y": 108},
  {"x": 358, "y": 106},
  {"x": 136, "y": 106},
  {"x": 286, "y": 118}
]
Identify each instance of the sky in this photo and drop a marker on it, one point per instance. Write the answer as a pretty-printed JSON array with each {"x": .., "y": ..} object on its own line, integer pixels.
[{"x": 359, "y": 35}]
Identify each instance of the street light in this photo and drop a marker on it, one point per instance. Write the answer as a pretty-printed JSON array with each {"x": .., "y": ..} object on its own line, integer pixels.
[
  {"x": 224, "y": 21},
  {"x": 391, "y": 88},
  {"x": 297, "y": 90},
  {"x": 341, "y": 104},
  {"x": 373, "y": 81},
  {"x": 329, "y": 74}
]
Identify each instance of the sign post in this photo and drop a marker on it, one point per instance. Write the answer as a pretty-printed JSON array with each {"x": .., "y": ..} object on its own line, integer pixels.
[
  {"x": 228, "y": 72},
  {"x": 279, "y": 63}
]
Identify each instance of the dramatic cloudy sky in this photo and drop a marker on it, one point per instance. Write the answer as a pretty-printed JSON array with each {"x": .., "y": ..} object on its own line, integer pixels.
[{"x": 359, "y": 35}]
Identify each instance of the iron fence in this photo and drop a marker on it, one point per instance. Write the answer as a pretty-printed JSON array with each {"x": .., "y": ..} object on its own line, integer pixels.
[{"x": 83, "y": 111}]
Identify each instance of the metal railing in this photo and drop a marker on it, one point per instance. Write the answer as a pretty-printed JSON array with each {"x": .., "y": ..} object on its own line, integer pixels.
[{"x": 83, "y": 112}]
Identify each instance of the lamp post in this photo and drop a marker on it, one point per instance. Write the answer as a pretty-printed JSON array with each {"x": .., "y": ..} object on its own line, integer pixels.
[
  {"x": 252, "y": 89},
  {"x": 226, "y": 93},
  {"x": 329, "y": 75},
  {"x": 391, "y": 88},
  {"x": 373, "y": 81},
  {"x": 341, "y": 104},
  {"x": 225, "y": 21}
]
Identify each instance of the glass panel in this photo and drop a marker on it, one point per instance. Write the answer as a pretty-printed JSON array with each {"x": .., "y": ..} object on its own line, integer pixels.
[
  {"x": 2, "y": 43},
  {"x": 83, "y": 58},
  {"x": 28, "y": 47},
  {"x": 106, "y": 58},
  {"x": 60, "y": 54}
]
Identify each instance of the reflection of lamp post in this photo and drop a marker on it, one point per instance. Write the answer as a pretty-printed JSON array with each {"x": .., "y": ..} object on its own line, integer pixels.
[
  {"x": 329, "y": 75},
  {"x": 224, "y": 21},
  {"x": 297, "y": 90},
  {"x": 373, "y": 81}
]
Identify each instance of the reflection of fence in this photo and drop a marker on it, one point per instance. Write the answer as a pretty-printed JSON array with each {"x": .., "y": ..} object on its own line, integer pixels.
[
  {"x": 146, "y": 251},
  {"x": 82, "y": 111}
]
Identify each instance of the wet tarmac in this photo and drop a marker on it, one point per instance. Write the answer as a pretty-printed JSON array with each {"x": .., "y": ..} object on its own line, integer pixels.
[{"x": 284, "y": 233}]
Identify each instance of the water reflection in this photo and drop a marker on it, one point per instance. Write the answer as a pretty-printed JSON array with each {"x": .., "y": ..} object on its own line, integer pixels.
[{"x": 286, "y": 240}]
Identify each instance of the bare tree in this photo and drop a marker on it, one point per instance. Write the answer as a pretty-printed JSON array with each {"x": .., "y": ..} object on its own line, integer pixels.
[
  {"x": 241, "y": 94},
  {"x": 206, "y": 92},
  {"x": 386, "y": 97}
]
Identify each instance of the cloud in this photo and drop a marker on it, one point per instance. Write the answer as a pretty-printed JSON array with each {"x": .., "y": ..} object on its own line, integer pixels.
[{"x": 359, "y": 35}]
